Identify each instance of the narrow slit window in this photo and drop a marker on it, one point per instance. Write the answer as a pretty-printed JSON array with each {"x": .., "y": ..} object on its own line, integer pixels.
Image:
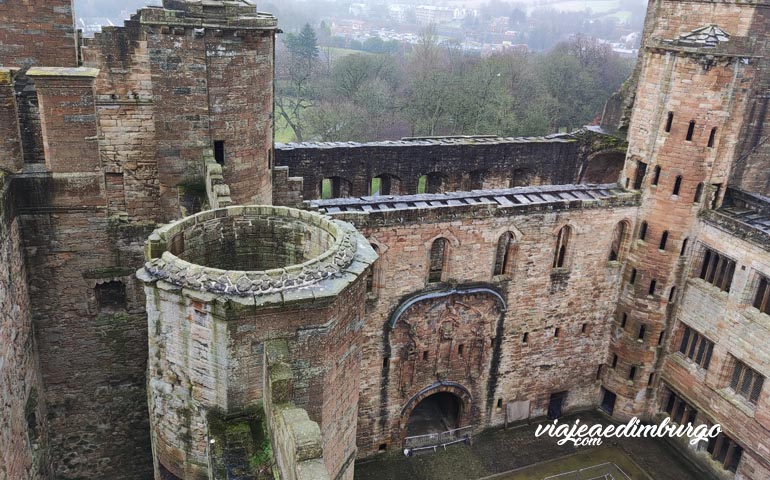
[
  {"x": 642, "y": 331},
  {"x": 623, "y": 320},
  {"x": 712, "y": 137},
  {"x": 684, "y": 248},
  {"x": 641, "y": 170},
  {"x": 599, "y": 371},
  {"x": 663, "y": 240},
  {"x": 584, "y": 328},
  {"x": 499, "y": 403},
  {"x": 671, "y": 294},
  {"x": 460, "y": 349},
  {"x": 632, "y": 279},
  {"x": 698, "y": 193},
  {"x": 562, "y": 245},
  {"x": 643, "y": 231},
  {"x": 614, "y": 360},
  {"x": 425, "y": 355},
  {"x": 656, "y": 175},
  {"x": 525, "y": 337},
  {"x": 632, "y": 373},
  {"x": 651, "y": 290},
  {"x": 660, "y": 337},
  {"x": 556, "y": 332},
  {"x": 669, "y": 121},
  {"x": 690, "y": 130},
  {"x": 677, "y": 185},
  {"x": 219, "y": 151},
  {"x": 650, "y": 379}
]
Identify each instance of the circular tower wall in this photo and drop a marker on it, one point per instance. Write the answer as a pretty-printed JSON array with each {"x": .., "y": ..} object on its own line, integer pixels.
[{"x": 222, "y": 283}]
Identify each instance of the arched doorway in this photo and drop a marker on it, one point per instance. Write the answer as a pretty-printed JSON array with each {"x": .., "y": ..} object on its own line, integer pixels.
[{"x": 436, "y": 413}]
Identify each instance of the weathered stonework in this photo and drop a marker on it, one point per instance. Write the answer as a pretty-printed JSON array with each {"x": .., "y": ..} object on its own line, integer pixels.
[
  {"x": 208, "y": 325},
  {"x": 513, "y": 302}
]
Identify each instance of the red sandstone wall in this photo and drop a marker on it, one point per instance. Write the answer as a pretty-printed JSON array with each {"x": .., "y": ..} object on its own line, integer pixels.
[
  {"x": 713, "y": 97},
  {"x": 10, "y": 147},
  {"x": 93, "y": 360},
  {"x": 37, "y": 32},
  {"x": 538, "y": 298},
  {"x": 23, "y": 450},
  {"x": 737, "y": 329}
]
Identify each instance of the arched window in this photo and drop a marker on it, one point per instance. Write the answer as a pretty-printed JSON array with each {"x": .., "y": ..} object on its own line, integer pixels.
[
  {"x": 663, "y": 240},
  {"x": 643, "y": 231},
  {"x": 677, "y": 184},
  {"x": 656, "y": 175},
  {"x": 562, "y": 245},
  {"x": 505, "y": 252},
  {"x": 712, "y": 137},
  {"x": 618, "y": 238},
  {"x": 438, "y": 253},
  {"x": 698, "y": 193},
  {"x": 690, "y": 130},
  {"x": 669, "y": 121}
]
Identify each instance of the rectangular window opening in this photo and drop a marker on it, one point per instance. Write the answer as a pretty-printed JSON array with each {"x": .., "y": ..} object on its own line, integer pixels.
[{"x": 219, "y": 151}]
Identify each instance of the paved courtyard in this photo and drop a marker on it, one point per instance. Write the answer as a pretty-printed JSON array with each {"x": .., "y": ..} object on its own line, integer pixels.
[{"x": 505, "y": 454}]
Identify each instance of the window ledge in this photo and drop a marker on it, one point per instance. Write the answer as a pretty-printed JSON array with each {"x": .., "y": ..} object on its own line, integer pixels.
[
  {"x": 690, "y": 365},
  {"x": 559, "y": 271},
  {"x": 738, "y": 401},
  {"x": 503, "y": 277},
  {"x": 614, "y": 263}
]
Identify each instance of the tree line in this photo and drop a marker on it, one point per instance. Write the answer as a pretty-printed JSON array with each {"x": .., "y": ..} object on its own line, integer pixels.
[{"x": 438, "y": 89}]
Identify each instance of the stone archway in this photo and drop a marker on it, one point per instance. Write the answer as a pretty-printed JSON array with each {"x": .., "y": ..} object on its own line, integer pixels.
[{"x": 438, "y": 408}]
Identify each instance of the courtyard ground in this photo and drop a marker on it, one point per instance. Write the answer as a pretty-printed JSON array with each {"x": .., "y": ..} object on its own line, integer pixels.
[{"x": 499, "y": 451}]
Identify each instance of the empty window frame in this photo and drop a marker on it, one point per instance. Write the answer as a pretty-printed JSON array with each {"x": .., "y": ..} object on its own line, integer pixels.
[
  {"x": 746, "y": 382},
  {"x": 562, "y": 247},
  {"x": 663, "y": 240},
  {"x": 111, "y": 295},
  {"x": 696, "y": 347},
  {"x": 504, "y": 255},
  {"x": 690, "y": 131},
  {"x": 698, "y": 193},
  {"x": 679, "y": 410},
  {"x": 717, "y": 269},
  {"x": 219, "y": 151},
  {"x": 712, "y": 137},
  {"x": 618, "y": 238},
  {"x": 656, "y": 175},
  {"x": 677, "y": 185},
  {"x": 438, "y": 252},
  {"x": 762, "y": 295},
  {"x": 641, "y": 170},
  {"x": 725, "y": 451},
  {"x": 669, "y": 121}
]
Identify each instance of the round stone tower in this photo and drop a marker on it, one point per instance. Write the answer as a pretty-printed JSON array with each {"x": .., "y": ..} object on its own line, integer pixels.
[{"x": 220, "y": 286}]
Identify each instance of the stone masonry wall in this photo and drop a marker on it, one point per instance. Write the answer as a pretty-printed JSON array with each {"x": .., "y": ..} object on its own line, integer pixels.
[
  {"x": 24, "y": 436},
  {"x": 461, "y": 162},
  {"x": 10, "y": 147},
  {"x": 93, "y": 351},
  {"x": 738, "y": 331},
  {"x": 539, "y": 299},
  {"x": 37, "y": 32},
  {"x": 296, "y": 440}
]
